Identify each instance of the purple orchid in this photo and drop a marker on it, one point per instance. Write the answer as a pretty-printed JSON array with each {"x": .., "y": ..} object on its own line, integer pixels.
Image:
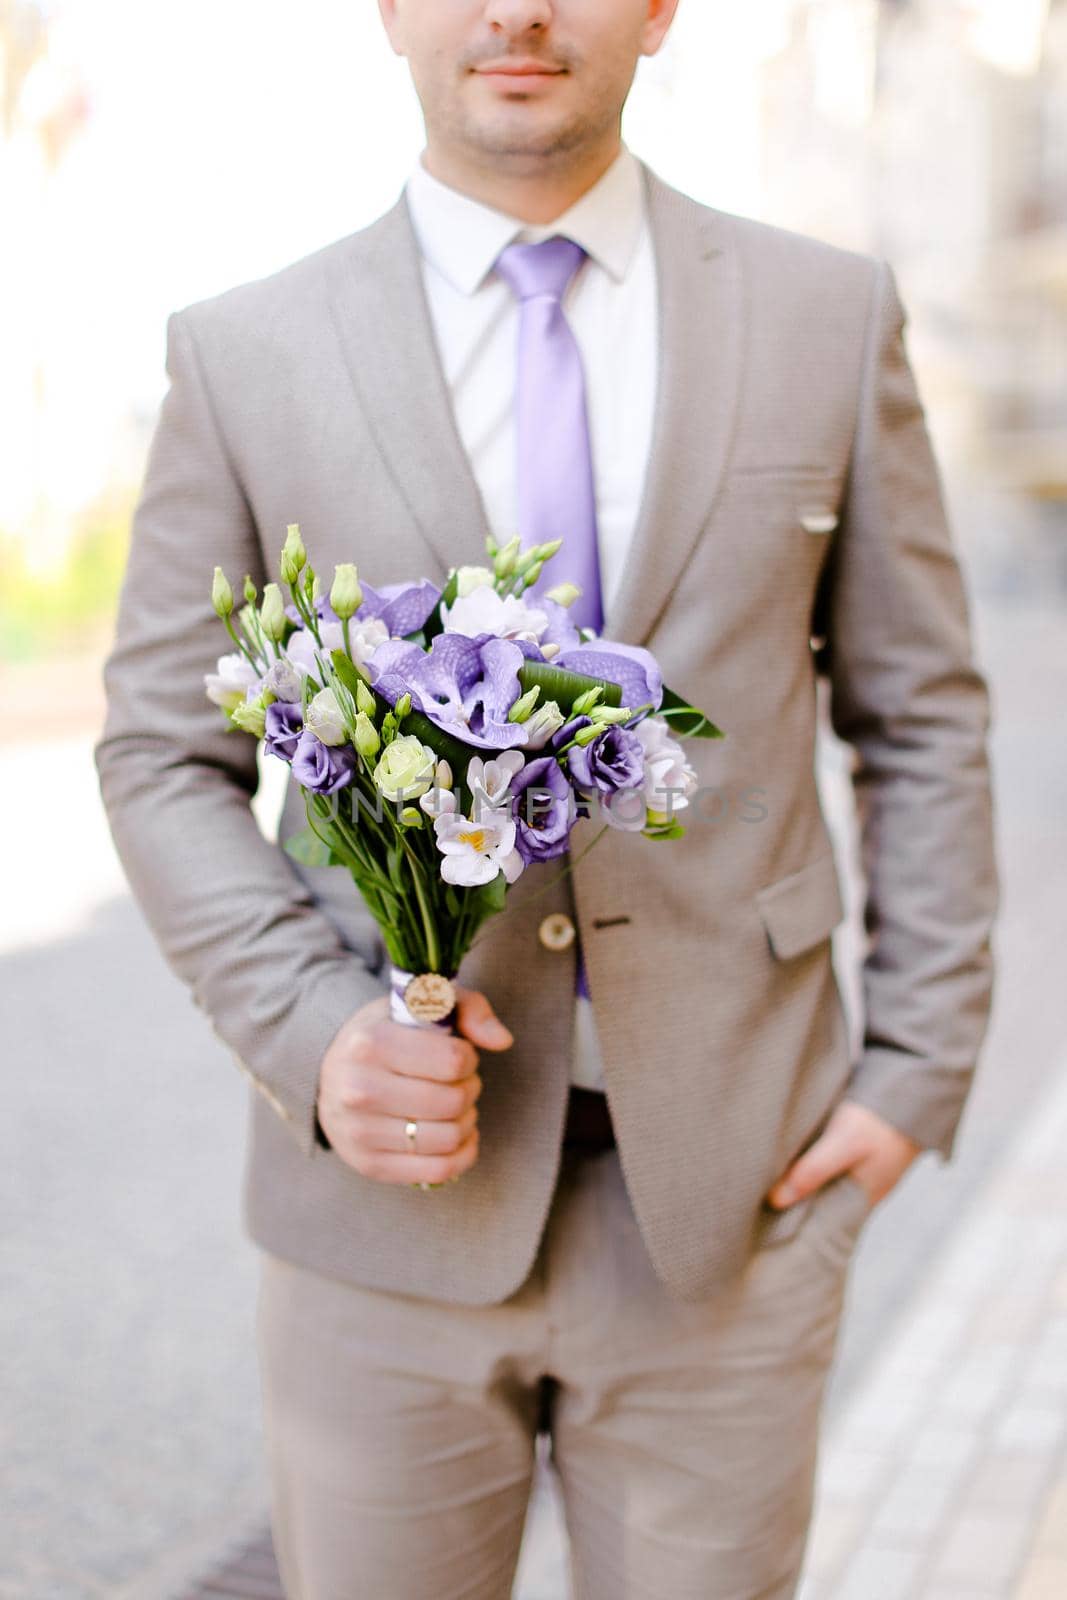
[
  {"x": 629, "y": 665},
  {"x": 283, "y": 724},
  {"x": 322, "y": 768},
  {"x": 403, "y": 607},
  {"x": 466, "y": 686},
  {"x": 543, "y": 820}
]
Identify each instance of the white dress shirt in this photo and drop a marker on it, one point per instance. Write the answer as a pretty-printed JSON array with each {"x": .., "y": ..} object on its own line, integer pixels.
[{"x": 611, "y": 306}]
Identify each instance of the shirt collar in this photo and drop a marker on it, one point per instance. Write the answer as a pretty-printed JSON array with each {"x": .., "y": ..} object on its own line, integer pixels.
[{"x": 462, "y": 238}]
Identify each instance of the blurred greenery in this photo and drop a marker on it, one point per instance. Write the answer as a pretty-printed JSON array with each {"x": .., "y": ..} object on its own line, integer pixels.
[{"x": 67, "y": 608}]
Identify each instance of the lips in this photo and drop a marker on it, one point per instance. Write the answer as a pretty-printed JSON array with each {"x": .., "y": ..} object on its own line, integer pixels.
[{"x": 519, "y": 69}]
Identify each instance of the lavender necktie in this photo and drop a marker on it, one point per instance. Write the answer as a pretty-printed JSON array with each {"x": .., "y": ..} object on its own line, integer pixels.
[{"x": 554, "y": 462}]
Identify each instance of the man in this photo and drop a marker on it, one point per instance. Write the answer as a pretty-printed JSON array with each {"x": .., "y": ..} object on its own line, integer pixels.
[{"x": 661, "y": 1182}]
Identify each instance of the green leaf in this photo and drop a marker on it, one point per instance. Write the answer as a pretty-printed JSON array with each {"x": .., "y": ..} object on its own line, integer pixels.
[
  {"x": 307, "y": 848},
  {"x": 685, "y": 720},
  {"x": 563, "y": 686}
]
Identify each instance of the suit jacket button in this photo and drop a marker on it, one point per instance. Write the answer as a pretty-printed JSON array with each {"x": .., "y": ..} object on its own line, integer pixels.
[
  {"x": 818, "y": 521},
  {"x": 556, "y": 931}
]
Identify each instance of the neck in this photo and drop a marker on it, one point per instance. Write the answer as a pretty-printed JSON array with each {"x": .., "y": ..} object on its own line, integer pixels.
[{"x": 538, "y": 195}]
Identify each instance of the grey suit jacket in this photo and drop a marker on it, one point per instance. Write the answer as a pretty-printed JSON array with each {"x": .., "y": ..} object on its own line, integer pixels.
[{"x": 791, "y": 493}]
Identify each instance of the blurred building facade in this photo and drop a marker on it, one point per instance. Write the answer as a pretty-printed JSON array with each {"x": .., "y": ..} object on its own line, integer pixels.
[{"x": 934, "y": 132}]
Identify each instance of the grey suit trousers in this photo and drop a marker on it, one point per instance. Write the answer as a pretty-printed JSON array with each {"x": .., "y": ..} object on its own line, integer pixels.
[{"x": 401, "y": 1430}]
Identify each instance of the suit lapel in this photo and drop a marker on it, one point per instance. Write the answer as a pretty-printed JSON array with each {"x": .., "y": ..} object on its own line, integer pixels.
[
  {"x": 701, "y": 337},
  {"x": 383, "y": 321}
]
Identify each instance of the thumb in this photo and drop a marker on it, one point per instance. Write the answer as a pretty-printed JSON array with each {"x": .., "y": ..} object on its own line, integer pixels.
[
  {"x": 820, "y": 1162},
  {"x": 476, "y": 1020}
]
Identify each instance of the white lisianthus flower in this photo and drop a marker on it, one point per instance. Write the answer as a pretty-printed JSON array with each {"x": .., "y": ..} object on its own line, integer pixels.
[
  {"x": 406, "y": 769},
  {"x": 485, "y": 611},
  {"x": 365, "y": 638},
  {"x": 541, "y": 724},
  {"x": 230, "y": 684},
  {"x": 490, "y": 781},
  {"x": 475, "y": 852},
  {"x": 283, "y": 680},
  {"x": 624, "y": 810},
  {"x": 323, "y": 716},
  {"x": 669, "y": 778},
  {"x": 470, "y": 578}
]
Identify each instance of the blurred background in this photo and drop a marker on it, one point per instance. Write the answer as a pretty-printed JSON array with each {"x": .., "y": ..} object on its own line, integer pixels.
[{"x": 151, "y": 156}]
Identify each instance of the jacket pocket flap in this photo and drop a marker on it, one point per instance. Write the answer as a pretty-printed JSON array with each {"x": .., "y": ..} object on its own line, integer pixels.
[{"x": 802, "y": 909}]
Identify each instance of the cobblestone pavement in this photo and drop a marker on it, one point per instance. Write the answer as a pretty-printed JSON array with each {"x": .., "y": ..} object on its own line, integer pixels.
[{"x": 130, "y": 1433}]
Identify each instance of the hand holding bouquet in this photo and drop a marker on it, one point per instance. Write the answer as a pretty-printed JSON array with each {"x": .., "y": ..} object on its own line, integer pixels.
[{"x": 445, "y": 740}]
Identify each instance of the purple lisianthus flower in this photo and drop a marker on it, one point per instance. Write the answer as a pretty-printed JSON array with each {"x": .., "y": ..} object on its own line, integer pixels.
[
  {"x": 632, "y": 667},
  {"x": 543, "y": 821},
  {"x": 614, "y": 760},
  {"x": 283, "y": 725},
  {"x": 403, "y": 607},
  {"x": 323, "y": 768}
]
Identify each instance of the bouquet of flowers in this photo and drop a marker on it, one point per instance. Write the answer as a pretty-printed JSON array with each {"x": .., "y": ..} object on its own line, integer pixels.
[{"x": 445, "y": 739}]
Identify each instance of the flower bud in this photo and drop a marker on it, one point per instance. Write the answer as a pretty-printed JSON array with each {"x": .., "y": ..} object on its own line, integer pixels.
[
  {"x": 525, "y": 704},
  {"x": 550, "y": 548},
  {"x": 411, "y": 817},
  {"x": 564, "y": 594},
  {"x": 550, "y": 651},
  {"x": 604, "y": 714},
  {"x": 365, "y": 701},
  {"x": 367, "y": 741},
  {"x": 293, "y": 552},
  {"x": 442, "y": 775},
  {"x": 221, "y": 594},
  {"x": 585, "y": 702},
  {"x": 250, "y": 716},
  {"x": 250, "y": 589},
  {"x": 470, "y": 578},
  {"x": 346, "y": 596},
  {"x": 272, "y": 616},
  {"x": 587, "y": 734},
  {"x": 402, "y": 707},
  {"x": 491, "y": 546},
  {"x": 324, "y": 717},
  {"x": 506, "y": 556}
]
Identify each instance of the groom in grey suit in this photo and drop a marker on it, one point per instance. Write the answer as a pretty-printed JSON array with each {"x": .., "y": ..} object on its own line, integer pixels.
[{"x": 661, "y": 1182}]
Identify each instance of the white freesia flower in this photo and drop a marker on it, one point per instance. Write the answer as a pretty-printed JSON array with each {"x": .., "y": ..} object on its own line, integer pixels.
[
  {"x": 485, "y": 611},
  {"x": 490, "y": 781},
  {"x": 323, "y": 716},
  {"x": 438, "y": 801},
  {"x": 669, "y": 778},
  {"x": 470, "y": 578},
  {"x": 542, "y": 723},
  {"x": 475, "y": 852},
  {"x": 230, "y": 684}
]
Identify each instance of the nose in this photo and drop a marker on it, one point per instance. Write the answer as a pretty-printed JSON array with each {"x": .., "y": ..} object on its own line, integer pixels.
[{"x": 516, "y": 17}]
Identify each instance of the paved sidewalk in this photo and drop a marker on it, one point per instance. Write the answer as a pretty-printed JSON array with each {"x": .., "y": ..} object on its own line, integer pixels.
[{"x": 944, "y": 1477}]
